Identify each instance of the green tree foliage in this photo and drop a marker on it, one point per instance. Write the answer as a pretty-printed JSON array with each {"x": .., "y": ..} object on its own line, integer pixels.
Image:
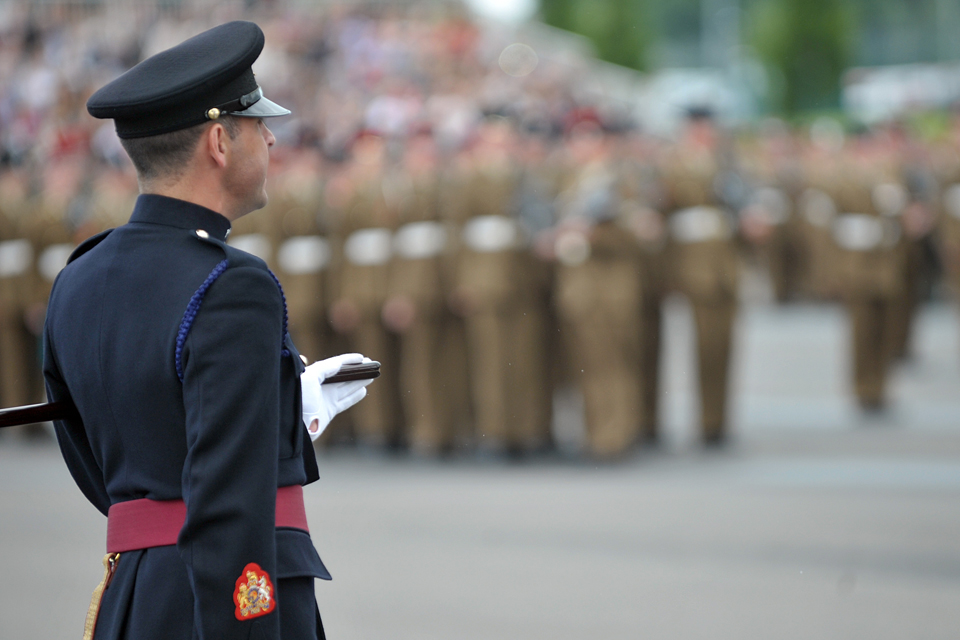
[
  {"x": 806, "y": 45},
  {"x": 616, "y": 28}
]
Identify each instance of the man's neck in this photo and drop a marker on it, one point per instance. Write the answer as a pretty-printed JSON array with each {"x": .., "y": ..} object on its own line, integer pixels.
[{"x": 203, "y": 195}]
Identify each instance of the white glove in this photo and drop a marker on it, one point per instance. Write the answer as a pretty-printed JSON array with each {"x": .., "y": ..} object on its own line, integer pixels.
[{"x": 321, "y": 402}]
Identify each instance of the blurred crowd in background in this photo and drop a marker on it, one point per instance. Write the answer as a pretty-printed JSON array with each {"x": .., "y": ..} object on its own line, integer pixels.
[{"x": 461, "y": 211}]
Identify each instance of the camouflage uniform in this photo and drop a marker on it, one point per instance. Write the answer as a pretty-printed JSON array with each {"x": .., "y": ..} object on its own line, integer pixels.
[
  {"x": 946, "y": 167},
  {"x": 415, "y": 297},
  {"x": 303, "y": 254},
  {"x": 704, "y": 266},
  {"x": 19, "y": 365},
  {"x": 768, "y": 221},
  {"x": 871, "y": 267},
  {"x": 642, "y": 198},
  {"x": 492, "y": 289},
  {"x": 918, "y": 221},
  {"x": 598, "y": 298},
  {"x": 365, "y": 231},
  {"x": 817, "y": 212}
]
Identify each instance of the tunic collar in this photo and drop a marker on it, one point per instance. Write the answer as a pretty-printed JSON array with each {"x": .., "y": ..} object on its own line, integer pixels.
[{"x": 154, "y": 209}]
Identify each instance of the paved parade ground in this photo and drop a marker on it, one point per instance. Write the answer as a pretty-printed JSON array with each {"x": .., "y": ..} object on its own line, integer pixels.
[{"x": 816, "y": 523}]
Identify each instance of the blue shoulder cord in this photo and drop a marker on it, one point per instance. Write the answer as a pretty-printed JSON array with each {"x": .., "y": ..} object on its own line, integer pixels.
[
  {"x": 194, "y": 307},
  {"x": 284, "y": 352}
]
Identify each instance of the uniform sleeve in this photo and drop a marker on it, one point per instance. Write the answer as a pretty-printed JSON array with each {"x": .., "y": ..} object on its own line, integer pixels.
[
  {"x": 231, "y": 373},
  {"x": 72, "y": 436}
]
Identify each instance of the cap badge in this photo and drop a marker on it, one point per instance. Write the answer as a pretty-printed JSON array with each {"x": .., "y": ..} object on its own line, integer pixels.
[{"x": 254, "y": 593}]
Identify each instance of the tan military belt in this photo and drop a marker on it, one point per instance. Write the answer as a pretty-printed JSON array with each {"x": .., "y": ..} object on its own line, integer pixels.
[
  {"x": 572, "y": 247},
  {"x": 951, "y": 200},
  {"x": 302, "y": 255},
  {"x": 699, "y": 224},
  {"x": 369, "y": 247},
  {"x": 890, "y": 198},
  {"x": 490, "y": 234},
  {"x": 770, "y": 205},
  {"x": 864, "y": 232},
  {"x": 53, "y": 259},
  {"x": 16, "y": 256},
  {"x": 420, "y": 240},
  {"x": 818, "y": 208},
  {"x": 253, "y": 243}
]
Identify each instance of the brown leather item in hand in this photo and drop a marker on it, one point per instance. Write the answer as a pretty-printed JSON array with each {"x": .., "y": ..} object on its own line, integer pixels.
[{"x": 34, "y": 413}]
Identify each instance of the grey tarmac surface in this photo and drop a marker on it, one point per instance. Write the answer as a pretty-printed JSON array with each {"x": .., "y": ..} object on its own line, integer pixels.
[{"x": 815, "y": 523}]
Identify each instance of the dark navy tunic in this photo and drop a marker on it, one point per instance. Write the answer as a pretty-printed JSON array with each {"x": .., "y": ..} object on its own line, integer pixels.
[{"x": 173, "y": 347}]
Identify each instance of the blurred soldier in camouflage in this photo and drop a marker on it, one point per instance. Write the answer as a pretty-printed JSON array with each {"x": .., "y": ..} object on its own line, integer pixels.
[
  {"x": 415, "y": 308},
  {"x": 365, "y": 229},
  {"x": 598, "y": 294},
  {"x": 775, "y": 177},
  {"x": 641, "y": 200},
  {"x": 493, "y": 283},
  {"x": 871, "y": 261},
  {"x": 703, "y": 194},
  {"x": 19, "y": 363},
  {"x": 303, "y": 252}
]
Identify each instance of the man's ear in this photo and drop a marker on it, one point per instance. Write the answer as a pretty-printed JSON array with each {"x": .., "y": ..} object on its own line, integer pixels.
[{"x": 216, "y": 144}]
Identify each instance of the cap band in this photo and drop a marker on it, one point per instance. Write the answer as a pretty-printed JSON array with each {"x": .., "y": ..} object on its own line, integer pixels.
[{"x": 241, "y": 103}]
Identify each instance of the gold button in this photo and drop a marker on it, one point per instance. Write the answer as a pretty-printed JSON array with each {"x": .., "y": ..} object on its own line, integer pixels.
[
  {"x": 213, "y": 114},
  {"x": 202, "y": 234},
  {"x": 304, "y": 358}
]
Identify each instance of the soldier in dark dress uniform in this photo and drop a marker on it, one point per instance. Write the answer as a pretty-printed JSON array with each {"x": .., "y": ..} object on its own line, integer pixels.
[{"x": 191, "y": 398}]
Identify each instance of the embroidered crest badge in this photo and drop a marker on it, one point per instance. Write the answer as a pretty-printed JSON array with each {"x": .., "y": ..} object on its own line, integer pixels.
[{"x": 254, "y": 593}]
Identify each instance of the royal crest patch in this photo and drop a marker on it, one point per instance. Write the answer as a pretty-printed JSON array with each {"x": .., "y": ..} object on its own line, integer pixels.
[{"x": 254, "y": 593}]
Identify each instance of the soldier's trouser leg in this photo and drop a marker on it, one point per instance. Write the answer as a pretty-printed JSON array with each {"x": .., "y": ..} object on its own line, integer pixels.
[
  {"x": 611, "y": 406},
  {"x": 782, "y": 262},
  {"x": 418, "y": 388},
  {"x": 714, "y": 321},
  {"x": 374, "y": 418},
  {"x": 792, "y": 262},
  {"x": 768, "y": 260},
  {"x": 650, "y": 366},
  {"x": 453, "y": 382},
  {"x": 20, "y": 378},
  {"x": 605, "y": 355},
  {"x": 903, "y": 307},
  {"x": 870, "y": 323},
  {"x": 18, "y": 350},
  {"x": 900, "y": 318},
  {"x": 9, "y": 361},
  {"x": 821, "y": 277},
  {"x": 486, "y": 340},
  {"x": 529, "y": 392}
]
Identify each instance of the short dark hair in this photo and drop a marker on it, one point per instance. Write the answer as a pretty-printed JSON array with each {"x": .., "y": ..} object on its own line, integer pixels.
[{"x": 168, "y": 153}]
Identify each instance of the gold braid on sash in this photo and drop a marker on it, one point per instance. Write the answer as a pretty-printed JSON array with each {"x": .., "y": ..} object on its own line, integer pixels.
[{"x": 109, "y": 567}]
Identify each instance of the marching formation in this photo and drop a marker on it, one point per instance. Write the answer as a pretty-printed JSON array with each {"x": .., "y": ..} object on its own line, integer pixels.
[
  {"x": 487, "y": 278},
  {"x": 490, "y": 255}
]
